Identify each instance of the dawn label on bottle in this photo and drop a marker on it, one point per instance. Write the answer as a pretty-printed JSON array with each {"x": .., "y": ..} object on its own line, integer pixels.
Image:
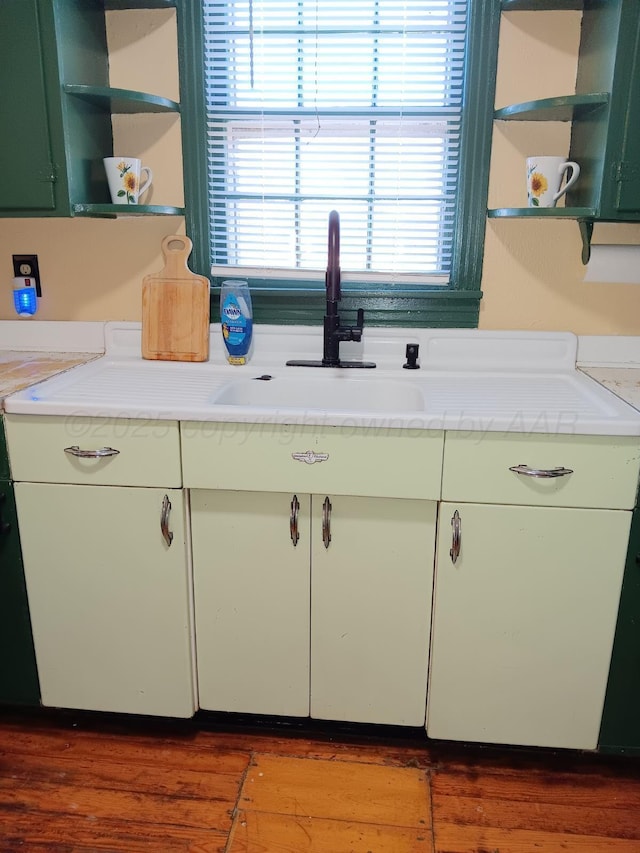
[{"x": 236, "y": 330}]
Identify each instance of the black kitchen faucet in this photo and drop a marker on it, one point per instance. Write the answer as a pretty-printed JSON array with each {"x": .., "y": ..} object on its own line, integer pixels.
[{"x": 334, "y": 331}]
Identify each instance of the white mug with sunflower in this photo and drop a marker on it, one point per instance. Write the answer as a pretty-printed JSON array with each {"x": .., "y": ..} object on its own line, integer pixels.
[
  {"x": 123, "y": 177},
  {"x": 544, "y": 179}
]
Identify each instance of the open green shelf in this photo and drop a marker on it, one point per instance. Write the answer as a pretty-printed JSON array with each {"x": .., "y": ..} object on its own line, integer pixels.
[
  {"x": 124, "y": 101},
  {"x": 542, "y": 213},
  {"x": 562, "y": 108},
  {"x": 110, "y": 5},
  {"x": 540, "y": 5},
  {"x": 112, "y": 211},
  {"x": 584, "y": 216}
]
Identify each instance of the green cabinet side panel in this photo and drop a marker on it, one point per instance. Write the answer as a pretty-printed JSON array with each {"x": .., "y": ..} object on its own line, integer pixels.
[
  {"x": 590, "y": 133},
  {"x": 4, "y": 458},
  {"x": 25, "y": 153},
  {"x": 604, "y": 141},
  {"x": 628, "y": 174},
  {"x": 620, "y": 729},
  {"x": 18, "y": 675},
  {"x": 79, "y": 32}
]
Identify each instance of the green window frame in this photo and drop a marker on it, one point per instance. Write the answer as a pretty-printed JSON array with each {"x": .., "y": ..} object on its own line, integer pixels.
[{"x": 454, "y": 305}]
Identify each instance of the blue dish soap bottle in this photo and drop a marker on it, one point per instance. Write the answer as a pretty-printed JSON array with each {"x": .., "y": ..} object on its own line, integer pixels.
[{"x": 236, "y": 318}]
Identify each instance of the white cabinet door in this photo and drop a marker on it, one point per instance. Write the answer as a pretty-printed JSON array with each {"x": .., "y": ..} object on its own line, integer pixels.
[
  {"x": 370, "y": 605},
  {"x": 252, "y": 602},
  {"x": 371, "y": 609},
  {"x": 109, "y": 598},
  {"x": 523, "y": 624}
]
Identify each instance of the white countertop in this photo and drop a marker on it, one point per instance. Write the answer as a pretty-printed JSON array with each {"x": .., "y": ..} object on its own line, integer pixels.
[{"x": 470, "y": 380}]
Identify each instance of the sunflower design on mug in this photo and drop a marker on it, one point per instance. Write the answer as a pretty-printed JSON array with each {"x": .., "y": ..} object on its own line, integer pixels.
[
  {"x": 129, "y": 182},
  {"x": 124, "y": 178},
  {"x": 548, "y": 179},
  {"x": 130, "y": 186},
  {"x": 537, "y": 186}
]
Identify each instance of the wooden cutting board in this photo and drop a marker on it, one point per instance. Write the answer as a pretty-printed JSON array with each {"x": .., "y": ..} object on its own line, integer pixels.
[{"x": 175, "y": 307}]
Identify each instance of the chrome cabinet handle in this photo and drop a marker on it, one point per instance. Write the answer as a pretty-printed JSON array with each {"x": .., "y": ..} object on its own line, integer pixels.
[
  {"x": 164, "y": 520},
  {"x": 326, "y": 522},
  {"x": 91, "y": 454},
  {"x": 293, "y": 520},
  {"x": 456, "y": 537},
  {"x": 540, "y": 473}
]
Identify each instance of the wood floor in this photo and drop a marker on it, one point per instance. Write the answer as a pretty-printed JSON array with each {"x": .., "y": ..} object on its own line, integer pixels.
[{"x": 84, "y": 783}]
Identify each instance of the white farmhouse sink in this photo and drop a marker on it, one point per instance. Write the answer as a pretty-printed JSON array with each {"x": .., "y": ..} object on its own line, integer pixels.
[
  {"x": 333, "y": 394},
  {"x": 469, "y": 380}
]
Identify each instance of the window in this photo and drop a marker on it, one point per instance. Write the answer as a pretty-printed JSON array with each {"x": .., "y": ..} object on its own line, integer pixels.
[{"x": 367, "y": 107}]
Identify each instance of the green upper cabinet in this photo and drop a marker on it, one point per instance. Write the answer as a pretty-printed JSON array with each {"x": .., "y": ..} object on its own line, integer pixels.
[
  {"x": 56, "y": 106},
  {"x": 628, "y": 173},
  {"x": 605, "y": 141},
  {"x": 26, "y": 161},
  {"x": 604, "y": 111}
]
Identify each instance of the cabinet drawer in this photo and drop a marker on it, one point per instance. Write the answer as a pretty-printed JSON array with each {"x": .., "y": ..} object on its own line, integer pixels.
[
  {"x": 332, "y": 460},
  {"x": 41, "y": 450},
  {"x": 604, "y": 469}
]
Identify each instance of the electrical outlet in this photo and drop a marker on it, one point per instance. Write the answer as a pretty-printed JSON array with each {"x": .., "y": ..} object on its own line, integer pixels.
[{"x": 27, "y": 265}]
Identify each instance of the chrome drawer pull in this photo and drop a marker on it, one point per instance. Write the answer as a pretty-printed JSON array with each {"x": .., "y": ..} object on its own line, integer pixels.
[
  {"x": 91, "y": 454},
  {"x": 164, "y": 520},
  {"x": 540, "y": 473},
  {"x": 456, "y": 537},
  {"x": 293, "y": 521}
]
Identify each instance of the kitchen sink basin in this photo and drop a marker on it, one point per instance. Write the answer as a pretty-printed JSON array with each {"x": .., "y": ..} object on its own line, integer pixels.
[{"x": 328, "y": 394}]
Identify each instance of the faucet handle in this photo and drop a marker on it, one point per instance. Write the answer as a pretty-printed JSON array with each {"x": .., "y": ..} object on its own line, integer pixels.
[{"x": 412, "y": 357}]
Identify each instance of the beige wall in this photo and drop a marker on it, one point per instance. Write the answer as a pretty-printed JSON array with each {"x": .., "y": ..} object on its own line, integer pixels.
[
  {"x": 532, "y": 278},
  {"x": 533, "y": 273}
]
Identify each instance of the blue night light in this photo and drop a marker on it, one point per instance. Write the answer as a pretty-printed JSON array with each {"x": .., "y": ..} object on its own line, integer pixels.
[{"x": 25, "y": 298}]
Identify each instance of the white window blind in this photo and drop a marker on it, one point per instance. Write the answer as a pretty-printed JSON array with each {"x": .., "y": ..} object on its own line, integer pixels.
[{"x": 352, "y": 105}]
